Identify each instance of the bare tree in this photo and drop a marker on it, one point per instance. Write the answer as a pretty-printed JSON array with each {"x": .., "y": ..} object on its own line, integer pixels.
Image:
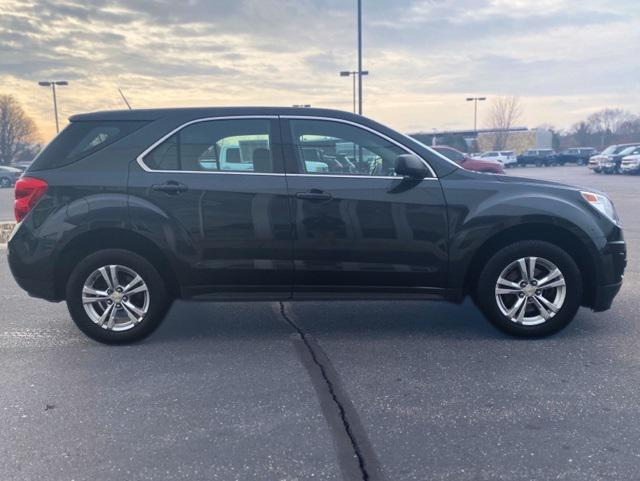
[
  {"x": 505, "y": 113},
  {"x": 629, "y": 131},
  {"x": 18, "y": 131},
  {"x": 606, "y": 123},
  {"x": 581, "y": 134}
]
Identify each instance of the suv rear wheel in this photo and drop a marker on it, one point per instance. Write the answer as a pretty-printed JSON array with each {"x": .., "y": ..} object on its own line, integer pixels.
[
  {"x": 530, "y": 288},
  {"x": 116, "y": 296}
]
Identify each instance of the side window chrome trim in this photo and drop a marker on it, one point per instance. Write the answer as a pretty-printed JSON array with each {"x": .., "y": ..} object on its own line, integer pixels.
[
  {"x": 140, "y": 158},
  {"x": 356, "y": 176},
  {"x": 364, "y": 127}
]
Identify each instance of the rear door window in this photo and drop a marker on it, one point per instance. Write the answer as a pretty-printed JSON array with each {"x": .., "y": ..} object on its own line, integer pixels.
[
  {"x": 80, "y": 139},
  {"x": 232, "y": 145}
]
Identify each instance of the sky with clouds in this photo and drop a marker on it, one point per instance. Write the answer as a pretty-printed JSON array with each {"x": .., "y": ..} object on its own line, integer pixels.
[{"x": 564, "y": 58}]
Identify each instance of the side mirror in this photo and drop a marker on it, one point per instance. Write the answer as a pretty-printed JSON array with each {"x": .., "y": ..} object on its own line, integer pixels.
[{"x": 410, "y": 165}]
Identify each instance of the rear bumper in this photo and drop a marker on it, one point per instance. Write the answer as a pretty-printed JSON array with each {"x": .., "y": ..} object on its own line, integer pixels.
[
  {"x": 37, "y": 288},
  {"x": 35, "y": 277}
]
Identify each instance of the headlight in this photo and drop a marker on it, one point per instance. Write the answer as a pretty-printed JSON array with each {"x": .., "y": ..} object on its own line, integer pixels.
[{"x": 602, "y": 204}]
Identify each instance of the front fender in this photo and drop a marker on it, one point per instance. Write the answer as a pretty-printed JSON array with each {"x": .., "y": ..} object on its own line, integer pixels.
[{"x": 481, "y": 211}]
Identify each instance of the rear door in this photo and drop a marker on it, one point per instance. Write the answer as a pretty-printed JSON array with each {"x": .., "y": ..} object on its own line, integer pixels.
[
  {"x": 358, "y": 227},
  {"x": 215, "y": 191}
]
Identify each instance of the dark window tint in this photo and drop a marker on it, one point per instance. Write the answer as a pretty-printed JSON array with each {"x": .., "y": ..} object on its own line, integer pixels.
[
  {"x": 328, "y": 147},
  {"x": 80, "y": 139},
  {"x": 241, "y": 145}
]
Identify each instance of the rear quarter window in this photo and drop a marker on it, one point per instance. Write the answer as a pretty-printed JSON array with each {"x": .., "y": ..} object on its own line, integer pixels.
[{"x": 80, "y": 139}]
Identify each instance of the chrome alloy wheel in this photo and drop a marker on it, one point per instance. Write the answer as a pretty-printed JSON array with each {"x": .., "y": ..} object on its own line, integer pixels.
[
  {"x": 115, "y": 297},
  {"x": 530, "y": 291}
]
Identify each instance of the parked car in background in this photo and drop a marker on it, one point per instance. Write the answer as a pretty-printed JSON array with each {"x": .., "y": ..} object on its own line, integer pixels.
[
  {"x": 22, "y": 165},
  {"x": 611, "y": 164},
  {"x": 466, "y": 162},
  {"x": 118, "y": 216},
  {"x": 630, "y": 164},
  {"x": 506, "y": 157},
  {"x": 538, "y": 157},
  {"x": 598, "y": 163},
  {"x": 8, "y": 176},
  {"x": 579, "y": 155}
]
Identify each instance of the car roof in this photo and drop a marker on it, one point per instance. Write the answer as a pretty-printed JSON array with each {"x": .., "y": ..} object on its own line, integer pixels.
[{"x": 201, "y": 112}]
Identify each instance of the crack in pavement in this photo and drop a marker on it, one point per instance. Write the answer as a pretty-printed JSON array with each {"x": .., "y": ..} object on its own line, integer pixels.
[{"x": 356, "y": 458}]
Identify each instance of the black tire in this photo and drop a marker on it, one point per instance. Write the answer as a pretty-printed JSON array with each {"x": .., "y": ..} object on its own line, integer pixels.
[
  {"x": 5, "y": 182},
  {"x": 159, "y": 300},
  {"x": 485, "y": 296}
]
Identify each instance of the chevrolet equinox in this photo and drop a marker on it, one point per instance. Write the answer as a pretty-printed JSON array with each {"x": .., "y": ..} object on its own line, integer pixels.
[{"x": 125, "y": 211}]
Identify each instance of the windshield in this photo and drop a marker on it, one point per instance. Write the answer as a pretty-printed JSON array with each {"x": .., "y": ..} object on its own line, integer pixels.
[
  {"x": 611, "y": 149},
  {"x": 628, "y": 150}
]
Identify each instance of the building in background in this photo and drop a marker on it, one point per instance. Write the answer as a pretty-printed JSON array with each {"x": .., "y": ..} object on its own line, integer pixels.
[{"x": 518, "y": 139}]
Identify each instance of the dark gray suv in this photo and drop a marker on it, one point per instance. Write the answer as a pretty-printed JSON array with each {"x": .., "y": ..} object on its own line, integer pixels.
[{"x": 126, "y": 210}]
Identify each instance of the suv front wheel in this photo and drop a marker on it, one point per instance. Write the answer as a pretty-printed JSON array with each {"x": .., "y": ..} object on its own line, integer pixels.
[
  {"x": 530, "y": 288},
  {"x": 116, "y": 296}
]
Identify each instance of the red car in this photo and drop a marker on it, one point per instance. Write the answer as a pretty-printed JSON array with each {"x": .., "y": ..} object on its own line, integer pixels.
[{"x": 466, "y": 162}]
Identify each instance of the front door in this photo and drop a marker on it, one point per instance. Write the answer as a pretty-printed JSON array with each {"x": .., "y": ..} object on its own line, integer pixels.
[
  {"x": 357, "y": 225},
  {"x": 221, "y": 185}
]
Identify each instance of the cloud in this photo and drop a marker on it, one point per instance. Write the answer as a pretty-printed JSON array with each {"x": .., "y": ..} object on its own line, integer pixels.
[{"x": 563, "y": 57}]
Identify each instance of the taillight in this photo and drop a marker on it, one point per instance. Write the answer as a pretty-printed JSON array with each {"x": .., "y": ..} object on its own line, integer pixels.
[{"x": 28, "y": 192}]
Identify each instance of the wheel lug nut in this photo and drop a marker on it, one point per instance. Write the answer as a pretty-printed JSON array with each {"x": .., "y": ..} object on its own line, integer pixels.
[
  {"x": 538, "y": 292},
  {"x": 523, "y": 284},
  {"x": 109, "y": 301},
  {"x": 534, "y": 283},
  {"x": 118, "y": 305},
  {"x": 521, "y": 294},
  {"x": 125, "y": 298}
]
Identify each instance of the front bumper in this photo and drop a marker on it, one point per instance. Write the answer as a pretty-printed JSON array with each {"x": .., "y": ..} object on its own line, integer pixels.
[
  {"x": 605, "y": 296},
  {"x": 614, "y": 263},
  {"x": 608, "y": 167},
  {"x": 630, "y": 169}
]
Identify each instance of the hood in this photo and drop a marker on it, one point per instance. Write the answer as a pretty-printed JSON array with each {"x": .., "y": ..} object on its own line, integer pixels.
[{"x": 547, "y": 183}]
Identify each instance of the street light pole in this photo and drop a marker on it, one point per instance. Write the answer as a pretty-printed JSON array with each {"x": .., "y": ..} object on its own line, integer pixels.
[
  {"x": 354, "y": 94},
  {"x": 475, "y": 101},
  {"x": 53, "y": 84},
  {"x": 360, "y": 57},
  {"x": 354, "y": 74}
]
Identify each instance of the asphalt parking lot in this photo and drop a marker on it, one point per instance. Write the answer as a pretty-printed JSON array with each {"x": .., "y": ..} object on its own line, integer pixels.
[
  {"x": 6, "y": 205},
  {"x": 342, "y": 390}
]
